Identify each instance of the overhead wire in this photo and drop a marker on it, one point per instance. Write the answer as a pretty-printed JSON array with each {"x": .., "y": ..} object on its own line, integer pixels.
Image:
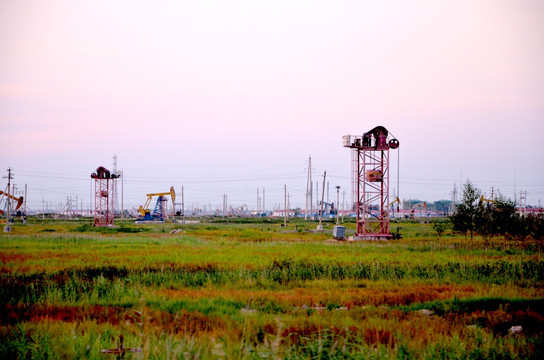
[{"x": 272, "y": 181}]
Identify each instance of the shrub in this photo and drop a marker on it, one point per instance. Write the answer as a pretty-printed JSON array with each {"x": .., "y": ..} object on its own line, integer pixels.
[{"x": 440, "y": 226}]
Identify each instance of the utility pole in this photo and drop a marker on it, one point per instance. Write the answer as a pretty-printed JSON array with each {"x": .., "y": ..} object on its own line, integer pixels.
[
  {"x": 114, "y": 186},
  {"x": 515, "y": 193},
  {"x": 398, "y": 177},
  {"x": 311, "y": 198},
  {"x": 264, "y": 208},
  {"x": 122, "y": 195},
  {"x": 320, "y": 226},
  {"x": 182, "y": 205},
  {"x": 307, "y": 196},
  {"x": 13, "y": 192},
  {"x": 343, "y": 204},
  {"x": 24, "y": 209},
  {"x": 316, "y": 195},
  {"x": 7, "y": 228},
  {"x": 454, "y": 198},
  {"x": 309, "y": 188},
  {"x": 337, "y": 205},
  {"x": 285, "y": 205},
  {"x": 523, "y": 201}
]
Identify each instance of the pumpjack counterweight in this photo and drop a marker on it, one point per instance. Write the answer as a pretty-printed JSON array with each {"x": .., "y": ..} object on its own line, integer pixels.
[{"x": 371, "y": 181}]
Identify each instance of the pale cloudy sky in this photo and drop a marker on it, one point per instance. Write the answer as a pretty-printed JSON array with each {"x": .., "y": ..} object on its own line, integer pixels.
[{"x": 231, "y": 96}]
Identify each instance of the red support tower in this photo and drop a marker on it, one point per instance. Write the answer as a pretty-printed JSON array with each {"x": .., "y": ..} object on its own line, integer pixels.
[
  {"x": 104, "y": 196},
  {"x": 371, "y": 181}
]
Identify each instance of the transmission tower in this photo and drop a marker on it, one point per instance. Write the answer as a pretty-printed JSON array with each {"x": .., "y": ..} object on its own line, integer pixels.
[{"x": 309, "y": 190}]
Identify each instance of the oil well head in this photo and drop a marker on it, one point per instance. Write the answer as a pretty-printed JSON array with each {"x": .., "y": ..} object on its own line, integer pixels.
[{"x": 377, "y": 139}]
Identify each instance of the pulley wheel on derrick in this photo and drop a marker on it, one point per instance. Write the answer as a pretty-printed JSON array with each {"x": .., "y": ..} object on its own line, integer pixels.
[{"x": 393, "y": 143}]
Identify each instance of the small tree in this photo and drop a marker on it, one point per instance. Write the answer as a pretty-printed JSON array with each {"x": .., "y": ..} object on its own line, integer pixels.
[
  {"x": 484, "y": 223},
  {"x": 498, "y": 217},
  {"x": 505, "y": 219},
  {"x": 466, "y": 218}
]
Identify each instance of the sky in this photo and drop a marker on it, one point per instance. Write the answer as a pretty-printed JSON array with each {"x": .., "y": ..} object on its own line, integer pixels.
[{"x": 224, "y": 97}]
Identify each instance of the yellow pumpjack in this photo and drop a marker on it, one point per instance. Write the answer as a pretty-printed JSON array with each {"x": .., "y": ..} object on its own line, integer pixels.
[{"x": 158, "y": 213}]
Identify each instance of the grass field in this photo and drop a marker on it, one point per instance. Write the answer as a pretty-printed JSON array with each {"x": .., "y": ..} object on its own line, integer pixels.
[{"x": 258, "y": 290}]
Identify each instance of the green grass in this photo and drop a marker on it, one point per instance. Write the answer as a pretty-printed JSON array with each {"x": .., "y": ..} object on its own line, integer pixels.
[{"x": 239, "y": 288}]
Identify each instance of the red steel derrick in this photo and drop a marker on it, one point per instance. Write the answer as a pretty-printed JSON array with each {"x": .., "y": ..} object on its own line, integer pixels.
[
  {"x": 371, "y": 181},
  {"x": 104, "y": 196}
]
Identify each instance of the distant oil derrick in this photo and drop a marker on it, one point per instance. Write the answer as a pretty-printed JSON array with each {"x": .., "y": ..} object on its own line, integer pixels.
[
  {"x": 371, "y": 181},
  {"x": 104, "y": 196}
]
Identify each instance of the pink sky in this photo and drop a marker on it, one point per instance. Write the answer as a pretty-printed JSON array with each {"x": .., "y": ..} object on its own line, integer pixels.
[{"x": 189, "y": 92}]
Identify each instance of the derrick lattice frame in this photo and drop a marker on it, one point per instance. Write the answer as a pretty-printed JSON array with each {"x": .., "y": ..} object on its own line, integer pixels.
[
  {"x": 103, "y": 203},
  {"x": 372, "y": 193},
  {"x": 370, "y": 181}
]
